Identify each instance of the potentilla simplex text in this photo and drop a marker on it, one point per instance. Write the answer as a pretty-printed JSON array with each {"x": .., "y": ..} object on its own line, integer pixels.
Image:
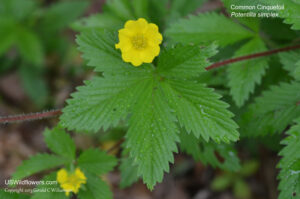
[{"x": 258, "y": 10}]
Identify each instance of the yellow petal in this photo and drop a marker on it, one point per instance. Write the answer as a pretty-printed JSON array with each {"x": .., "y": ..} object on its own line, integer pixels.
[
  {"x": 125, "y": 33},
  {"x": 62, "y": 176},
  {"x": 136, "y": 62},
  {"x": 154, "y": 36},
  {"x": 127, "y": 56},
  {"x": 130, "y": 24},
  {"x": 79, "y": 174},
  {"x": 147, "y": 56},
  {"x": 142, "y": 23}
]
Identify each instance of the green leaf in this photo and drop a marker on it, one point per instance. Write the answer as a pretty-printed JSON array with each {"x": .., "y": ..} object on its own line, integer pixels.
[
  {"x": 158, "y": 10},
  {"x": 200, "y": 111},
  {"x": 37, "y": 163},
  {"x": 252, "y": 23},
  {"x": 30, "y": 46},
  {"x": 217, "y": 155},
  {"x": 152, "y": 135},
  {"x": 61, "y": 14},
  {"x": 289, "y": 164},
  {"x": 190, "y": 63},
  {"x": 120, "y": 8},
  {"x": 243, "y": 76},
  {"x": 95, "y": 189},
  {"x": 184, "y": 7},
  {"x": 290, "y": 13},
  {"x": 205, "y": 28},
  {"x": 34, "y": 84},
  {"x": 273, "y": 111},
  {"x": 96, "y": 162},
  {"x": 190, "y": 144},
  {"x": 18, "y": 10},
  {"x": 98, "y": 21},
  {"x": 11, "y": 195},
  {"x": 278, "y": 97},
  {"x": 102, "y": 103},
  {"x": 61, "y": 143},
  {"x": 129, "y": 173},
  {"x": 139, "y": 94},
  {"x": 297, "y": 71},
  {"x": 140, "y": 8},
  {"x": 291, "y": 62},
  {"x": 53, "y": 190},
  {"x": 7, "y": 38}
]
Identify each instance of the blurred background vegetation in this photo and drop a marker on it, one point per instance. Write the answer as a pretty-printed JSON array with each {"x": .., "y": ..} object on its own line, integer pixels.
[{"x": 39, "y": 68}]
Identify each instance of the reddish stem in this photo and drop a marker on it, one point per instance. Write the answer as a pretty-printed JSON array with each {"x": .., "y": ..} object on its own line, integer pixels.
[
  {"x": 252, "y": 56},
  {"x": 31, "y": 116},
  {"x": 57, "y": 112}
]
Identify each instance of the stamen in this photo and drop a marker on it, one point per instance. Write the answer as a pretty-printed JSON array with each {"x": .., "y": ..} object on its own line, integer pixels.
[{"x": 139, "y": 41}]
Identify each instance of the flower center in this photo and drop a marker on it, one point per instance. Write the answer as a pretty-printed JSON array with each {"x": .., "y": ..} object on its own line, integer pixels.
[{"x": 139, "y": 41}]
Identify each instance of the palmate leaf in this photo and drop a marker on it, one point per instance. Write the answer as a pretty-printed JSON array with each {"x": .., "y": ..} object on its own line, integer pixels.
[
  {"x": 273, "y": 111},
  {"x": 144, "y": 95},
  {"x": 289, "y": 164},
  {"x": 205, "y": 28},
  {"x": 243, "y": 76}
]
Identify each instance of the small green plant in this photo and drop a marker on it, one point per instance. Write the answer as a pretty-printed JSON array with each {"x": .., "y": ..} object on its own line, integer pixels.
[
  {"x": 91, "y": 164},
  {"x": 172, "y": 101}
]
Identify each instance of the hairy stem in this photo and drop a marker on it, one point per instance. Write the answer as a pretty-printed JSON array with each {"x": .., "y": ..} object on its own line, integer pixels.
[
  {"x": 30, "y": 116},
  {"x": 57, "y": 112}
]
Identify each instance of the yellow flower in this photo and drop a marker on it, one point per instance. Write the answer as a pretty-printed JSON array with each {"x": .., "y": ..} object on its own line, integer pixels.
[
  {"x": 70, "y": 182},
  {"x": 139, "y": 42}
]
